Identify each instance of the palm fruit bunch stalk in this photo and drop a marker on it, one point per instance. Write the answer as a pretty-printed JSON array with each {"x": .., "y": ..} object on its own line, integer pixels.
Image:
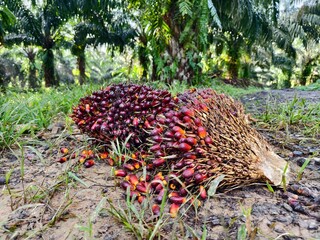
[{"x": 121, "y": 110}]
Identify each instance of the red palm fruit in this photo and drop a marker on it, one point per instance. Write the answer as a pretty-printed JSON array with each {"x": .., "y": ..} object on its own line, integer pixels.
[
  {"x": 141, "y": 199},
  {"x": 200, "y": 150},
  {"x": 178, "y": 129},
  {"x": 174, "y": 194},
  {"x": 192, "y": 141},
  {"x": 133, "y": 179},
  {"x": 155, "y": 147},
  {"x": 87, "y": 106},
  {"x": 177, "y": 199},
  {"x": 202, "y": 132},
  {"x": 169, "y": 134},
  {"x": 203, "y": 107},
  {"x": 187, "y": 112},
  {"x": 147, "y": 124},
  {"x": 157, "y": 139},
  {"x": 200, "y": 177},
  {"x": 158, "y": 176},
  {"x": 141, "y": 187},
  {"x": 89, "y": 163},
  {"x": 156, "y": 131},
  {"x": 160, "y": 195},
  {"x": 134, "y": 156},
  {"x": 149, "y": 167},
  {"x": 110, "y": 161},
  {"x": 126, "y": 184},
  {"x": 159, "y": 153},
  {"x": 158, "y": 162},
  {"x": 188, "y": 173},
  {"x": 146, "y": 179},
  {"x": 82, "y": 159},
  {"x": 183, "y": 192},
  {"x": 196, "y": 202},
  {"x": 134, "y": 194},
  {"x": 73, "y": 155},
  {"x": 135, "y": 122},
  {"x": 188, "y": 162},
  {"x": 198, "y": 122},
  {"x": 155, "y": 209},
  {"x": 208, "y": 140},
  {"x": 179, "y": 165},
  {"x": 103, "y": 155},
  {"x": 178, "y": 135},
  {"x": 120, "y": 173},
  {"x": 203, "y": 192},
  {"x": 136, "y": 165},
  {"x": 187, "y": 119},
  {"x": 190, "y": 155},
  {"x": 64, "y": 150},
  {"x": 62, "y": 160},
  {"x": 158, "y": 188},
  {"x": 184, "y": 147},
  {"x": 174, "y": 208},
  {"x": 84, "y": 153},
  {"x": 128, "y": 166}
]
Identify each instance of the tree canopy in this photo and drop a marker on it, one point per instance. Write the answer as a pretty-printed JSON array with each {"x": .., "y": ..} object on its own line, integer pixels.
[{"x": 179, "y": 40}]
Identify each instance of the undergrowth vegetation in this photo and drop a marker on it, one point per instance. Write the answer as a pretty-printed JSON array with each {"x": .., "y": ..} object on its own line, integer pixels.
[{"x": 295, "y": 113}]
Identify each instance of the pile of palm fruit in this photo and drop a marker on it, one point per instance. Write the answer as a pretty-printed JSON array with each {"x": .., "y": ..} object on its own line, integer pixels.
[{"x": 184, "y": 142}]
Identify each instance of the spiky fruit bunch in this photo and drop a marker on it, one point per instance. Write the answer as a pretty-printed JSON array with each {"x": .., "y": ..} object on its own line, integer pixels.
[
  {"x": 119, "y": 111},
  {"x": 185, "y": 141}
]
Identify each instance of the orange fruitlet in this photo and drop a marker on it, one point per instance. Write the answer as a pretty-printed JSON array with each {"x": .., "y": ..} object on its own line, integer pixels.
[
  {"x": 64, "y": 150},
  {"x": 202, "y": 132},
  {"x": 155, "y": 209},
  {"x": 203, "y": 192},
  {"x": 174, "y": 208}
]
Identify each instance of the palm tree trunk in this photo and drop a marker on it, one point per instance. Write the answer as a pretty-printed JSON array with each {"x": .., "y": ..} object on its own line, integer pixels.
[
  {"x": 32, "y": 78},
  {"x": 48, "y": 69},
  {"x": 306, "y": 71},
  {"x": 81, "y": 61}
]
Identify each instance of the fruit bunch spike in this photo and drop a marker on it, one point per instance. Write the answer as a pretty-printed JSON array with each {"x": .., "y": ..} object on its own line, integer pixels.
[{"x": 239, "y": 151}]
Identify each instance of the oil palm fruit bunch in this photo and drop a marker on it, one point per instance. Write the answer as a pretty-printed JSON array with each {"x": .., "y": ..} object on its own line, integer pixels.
[
  {"x": 186, "y": 141},
  {"x": 121, "y": 110}
]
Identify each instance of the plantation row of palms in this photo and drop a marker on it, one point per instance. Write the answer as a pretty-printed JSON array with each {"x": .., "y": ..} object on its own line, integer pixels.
[{"x": 173, "y": 40}]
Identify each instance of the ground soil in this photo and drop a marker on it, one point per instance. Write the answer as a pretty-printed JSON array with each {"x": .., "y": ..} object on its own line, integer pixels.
[{"x": 50, "y": 205}]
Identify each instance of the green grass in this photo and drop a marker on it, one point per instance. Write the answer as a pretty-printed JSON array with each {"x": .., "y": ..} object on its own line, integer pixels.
[
  {"x": 297, "y": 113},
  {"x": 27, "y": 112},
  {"x": 312, "y": 87}
]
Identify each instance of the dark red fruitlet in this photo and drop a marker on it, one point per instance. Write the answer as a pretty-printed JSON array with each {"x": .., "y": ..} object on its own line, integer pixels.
[
  {"x": 188, "y": 173},
  {"x": 89, "y": 163},
  {"x": 120, "y": 173},
  {"x": 184, "y": 147}
]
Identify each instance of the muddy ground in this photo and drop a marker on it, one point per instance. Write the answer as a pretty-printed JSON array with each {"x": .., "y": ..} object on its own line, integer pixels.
[{"x": 53, "y": 204}]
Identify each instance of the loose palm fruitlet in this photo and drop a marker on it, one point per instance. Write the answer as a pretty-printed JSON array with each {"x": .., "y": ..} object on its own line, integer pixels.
[{"x": 119, "y": 111}]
